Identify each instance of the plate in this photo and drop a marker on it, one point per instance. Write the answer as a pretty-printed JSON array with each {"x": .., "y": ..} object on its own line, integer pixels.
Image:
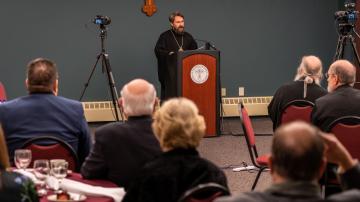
[{"x": 73, "y": 198}]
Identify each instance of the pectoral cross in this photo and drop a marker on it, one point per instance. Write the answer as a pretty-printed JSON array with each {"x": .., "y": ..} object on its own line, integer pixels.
[{"x": 149, "y": 8}]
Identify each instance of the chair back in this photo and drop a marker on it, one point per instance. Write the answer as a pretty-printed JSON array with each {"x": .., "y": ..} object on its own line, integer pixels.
[
  {"x": 2, "y": 93},
  {"x": 207, "y": 192},
  {"x": 347, "y": 130},
  {"x": 296, "y": 110},
  {"x": 248, "y": 133},
  {"x": 49, "y": 147}
]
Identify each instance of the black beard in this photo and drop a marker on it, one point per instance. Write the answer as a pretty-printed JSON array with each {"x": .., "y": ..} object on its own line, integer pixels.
[{"x": 177, "y": 31}]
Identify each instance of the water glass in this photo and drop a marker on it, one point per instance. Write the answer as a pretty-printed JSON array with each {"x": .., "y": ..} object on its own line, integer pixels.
[
  {"x": 59, "y": 169},
  {"x": 41, "y": 171},
  {"x": 22, "y": 158}
]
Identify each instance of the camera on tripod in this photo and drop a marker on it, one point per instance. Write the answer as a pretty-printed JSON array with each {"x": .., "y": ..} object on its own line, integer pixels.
[
  {"x": 102, "y": 20},
  {"x": 346, "y": 21},
  {"x": 347, "y": 17},
  {"x": 103, "y": 59}
]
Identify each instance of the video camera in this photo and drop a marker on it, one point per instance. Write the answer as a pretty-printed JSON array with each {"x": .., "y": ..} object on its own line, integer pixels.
[
  {"x": 347, "y": 17},
  {"x": 102, "y": 20}
]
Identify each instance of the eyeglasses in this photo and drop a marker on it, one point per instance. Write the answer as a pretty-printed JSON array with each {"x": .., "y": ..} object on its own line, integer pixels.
[{"x": 327, "y": 75}]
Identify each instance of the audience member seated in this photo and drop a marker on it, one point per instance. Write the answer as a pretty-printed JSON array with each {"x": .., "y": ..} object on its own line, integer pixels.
[
  {"x": 179, "y": 129},
  {"x": 342, "y": 100},
  {"x": 298, "y": 159},
  {"x": 306, "y": 86},
  {"x": 42, "y": 112},
  {"x": 121, "y": 149},
  {"x": 13, "y": 186}
]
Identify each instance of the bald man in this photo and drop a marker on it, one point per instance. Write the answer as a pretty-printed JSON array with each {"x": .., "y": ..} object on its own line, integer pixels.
[
  {"x": 299, "y": 155},
  {"x": 342, "y": 100},
  {"x": 121, "y": 149},
  {"x": 309, "y": 74}
]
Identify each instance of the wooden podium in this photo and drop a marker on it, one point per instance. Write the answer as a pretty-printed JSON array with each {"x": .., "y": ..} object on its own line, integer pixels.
[{"x": 198, "y": 79}]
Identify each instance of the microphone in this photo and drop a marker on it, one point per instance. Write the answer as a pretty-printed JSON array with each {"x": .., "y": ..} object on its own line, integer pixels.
[{"x": 207, "y": 44}]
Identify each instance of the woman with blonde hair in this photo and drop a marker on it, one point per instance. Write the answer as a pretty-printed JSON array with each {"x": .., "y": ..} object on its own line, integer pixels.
[
  {"x": 13, "y": 186},
  {"x": 179, "y": 129}
]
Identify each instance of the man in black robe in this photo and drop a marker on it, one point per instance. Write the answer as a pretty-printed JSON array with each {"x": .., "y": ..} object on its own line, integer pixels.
[
  {"x": 306, "y": 86},
  {"x": 169, "y": 43}
]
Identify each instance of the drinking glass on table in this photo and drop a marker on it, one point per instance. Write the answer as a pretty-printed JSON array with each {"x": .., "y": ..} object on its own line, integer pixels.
[
  {"x": 41, "y": 171},
  {"x": 59, "y": 169},
  {"x": 22, "y": 158},
  {"x": 55, "y": 161}
]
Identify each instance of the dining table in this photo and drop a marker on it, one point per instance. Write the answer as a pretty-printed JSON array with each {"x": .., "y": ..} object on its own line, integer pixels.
[{"x": 95, "y": 182}]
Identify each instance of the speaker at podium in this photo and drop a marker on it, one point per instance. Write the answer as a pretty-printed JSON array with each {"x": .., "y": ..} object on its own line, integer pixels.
[{"x": 198, "y": 79}]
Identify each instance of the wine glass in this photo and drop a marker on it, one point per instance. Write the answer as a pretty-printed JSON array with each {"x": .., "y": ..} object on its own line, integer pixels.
[
  {"x": 59, "y": 169},
  {"x": 41, "y": 171},
  {"x": 22, "y": 158}
]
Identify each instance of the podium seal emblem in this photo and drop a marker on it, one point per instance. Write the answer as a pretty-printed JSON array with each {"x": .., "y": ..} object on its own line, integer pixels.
[{"x": 199, "y": 74}]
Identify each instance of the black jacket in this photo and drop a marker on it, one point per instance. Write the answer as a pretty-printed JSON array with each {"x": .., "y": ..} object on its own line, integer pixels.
[
  {"x": 289, "y": 92},
  {"x": 166, "y": 178},
  {"x": 120, "y": 150},
  {"x": 344, "y": 101}
]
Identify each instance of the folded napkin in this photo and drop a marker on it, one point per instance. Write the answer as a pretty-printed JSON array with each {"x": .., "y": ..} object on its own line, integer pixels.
[{"x": 78, "y": 187}]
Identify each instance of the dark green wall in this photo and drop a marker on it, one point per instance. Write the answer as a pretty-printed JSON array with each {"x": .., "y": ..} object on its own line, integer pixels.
[{"x": 261, "y": 41}]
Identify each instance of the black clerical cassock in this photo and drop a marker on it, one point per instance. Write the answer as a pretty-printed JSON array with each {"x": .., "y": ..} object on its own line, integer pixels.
[{"x": 168, "y": 44}]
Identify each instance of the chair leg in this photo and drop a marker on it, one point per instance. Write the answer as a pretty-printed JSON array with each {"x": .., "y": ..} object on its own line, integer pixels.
[{"x": 257, "y": 178}]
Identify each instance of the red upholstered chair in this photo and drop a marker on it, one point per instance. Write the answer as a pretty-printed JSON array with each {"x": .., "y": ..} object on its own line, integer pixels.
[
  {"x": 207, "y": 192},
  {"x": 49, "y": 147},
  {"x": 261, "y": 162},
  {"x": 296, "y": 110},
  {"x": 347, "y": 130},
  {"x": 2, "y": 93}
]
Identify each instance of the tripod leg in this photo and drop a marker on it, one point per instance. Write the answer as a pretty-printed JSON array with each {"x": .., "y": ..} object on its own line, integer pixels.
[
  {"x": 88, "y": 81},
  {"x": 336, "y": 56},
  {"x": 353, "y": 44},
  {"x": 113, "y": 91},
  {"x": 341, "y": 48}
]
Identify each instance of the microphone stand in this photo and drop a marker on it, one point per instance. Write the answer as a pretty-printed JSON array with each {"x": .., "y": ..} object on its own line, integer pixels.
[{"x": 105, "y": 63}]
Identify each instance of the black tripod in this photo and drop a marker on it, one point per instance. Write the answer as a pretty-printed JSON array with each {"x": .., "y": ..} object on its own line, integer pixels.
[
  {"x": 344, "y": 36},
  {"x": 104, "y": 57}
]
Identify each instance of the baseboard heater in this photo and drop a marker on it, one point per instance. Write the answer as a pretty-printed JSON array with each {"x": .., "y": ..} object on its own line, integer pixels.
[
  {"x": 255, "y": 106},
  {"x": 103, "y": 111}
]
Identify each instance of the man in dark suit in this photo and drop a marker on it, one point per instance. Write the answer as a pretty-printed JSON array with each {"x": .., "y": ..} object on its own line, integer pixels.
[
  {"x": 298, "y": 159},
  {"x": 342, "y": 100},
  {"x": 42, "y": 112},
  {"x": 306, "y": 86},
  {"x": 121, "y": 149}
]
